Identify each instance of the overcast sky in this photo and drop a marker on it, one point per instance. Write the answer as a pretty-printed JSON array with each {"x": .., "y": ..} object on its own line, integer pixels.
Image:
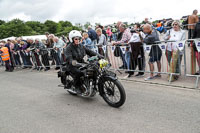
[{"x": 100, "y": 11}]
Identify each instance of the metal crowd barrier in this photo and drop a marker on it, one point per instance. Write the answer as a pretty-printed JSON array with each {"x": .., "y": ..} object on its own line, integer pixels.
[
  {"x": 121, "y": 54},
  {"x": 185, "y": 59},
  {"x": 31, "y": 58}
]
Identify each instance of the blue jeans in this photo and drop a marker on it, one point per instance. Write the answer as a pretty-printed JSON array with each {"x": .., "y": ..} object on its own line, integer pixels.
[
  {"x": 128, "y": 59},
  {"x": 58, "y": 58},
  {"x": 114, "y": 37}
]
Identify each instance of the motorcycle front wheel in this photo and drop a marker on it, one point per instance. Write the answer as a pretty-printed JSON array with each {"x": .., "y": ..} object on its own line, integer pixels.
[{"x": 113, "y": 93}]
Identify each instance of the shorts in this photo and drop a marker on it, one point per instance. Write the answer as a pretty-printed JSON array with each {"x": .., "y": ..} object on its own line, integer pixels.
[{"x": 155, "y": 58}]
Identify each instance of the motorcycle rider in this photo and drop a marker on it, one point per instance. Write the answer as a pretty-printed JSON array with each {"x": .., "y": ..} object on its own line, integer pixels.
[{"x": 76, "y": 51}]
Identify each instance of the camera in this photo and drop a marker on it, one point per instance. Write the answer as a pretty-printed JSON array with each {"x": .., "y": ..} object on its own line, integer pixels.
[{"x": 135, "y": 31}]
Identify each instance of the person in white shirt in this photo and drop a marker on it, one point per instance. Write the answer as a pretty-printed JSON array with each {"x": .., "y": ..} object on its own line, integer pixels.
[
  {"x": 58, "y": 46},
  {"x": 137, "y": 50},
  {"x": 174, "y": 56}
]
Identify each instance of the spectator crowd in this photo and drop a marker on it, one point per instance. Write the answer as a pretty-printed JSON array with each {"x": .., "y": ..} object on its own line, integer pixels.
[{"x": 41, "y": 54}]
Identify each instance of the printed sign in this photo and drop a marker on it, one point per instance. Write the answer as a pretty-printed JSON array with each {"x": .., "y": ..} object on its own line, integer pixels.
[
  {"x": 112, "y": 48},
  {"x": 148, "y": 48},
  {"x": 163, "y": 47},
  {"x": 104, "y": 49},
  {"x": 180, "y": 45},
  {"x": 197, "y": 43},
  {"x": 96, "y": 49},
  {"x": 123, "y": 48}
]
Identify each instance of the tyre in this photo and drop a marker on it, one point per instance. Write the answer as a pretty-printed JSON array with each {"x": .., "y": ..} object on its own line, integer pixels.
[{"x": 113, "y": 93}]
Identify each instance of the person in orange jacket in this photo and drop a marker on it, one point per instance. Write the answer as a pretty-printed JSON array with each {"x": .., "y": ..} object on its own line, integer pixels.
[{"x": 4, "y": 53}]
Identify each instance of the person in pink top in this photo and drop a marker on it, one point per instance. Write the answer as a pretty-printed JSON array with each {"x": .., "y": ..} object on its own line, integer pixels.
[{"x": 109, "y": 33}]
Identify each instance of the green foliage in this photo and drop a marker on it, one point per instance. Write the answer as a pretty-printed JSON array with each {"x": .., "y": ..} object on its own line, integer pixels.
[
  {"x": 86, "y": 25},
  {"x": 17, "y": 27},
  {"x": 2, "y": 22},
  {"x": 51, "y": 26},
  {"x": 38, "y": 27}
]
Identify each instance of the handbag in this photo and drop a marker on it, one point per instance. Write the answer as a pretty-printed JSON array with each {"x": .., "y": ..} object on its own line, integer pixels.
[{"x": 117, "y": 51}]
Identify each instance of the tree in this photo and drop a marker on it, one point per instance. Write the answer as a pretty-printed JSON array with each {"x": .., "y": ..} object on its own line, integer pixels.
[
  {"x": 38, "y": 27},
  {"x": 51, "y": 26},
  {"x": 15, "y": 28},
  {"x": 2, "y": 22},
  {"x": 62, "y": 25},
  {"x": 86, "y": 25}
]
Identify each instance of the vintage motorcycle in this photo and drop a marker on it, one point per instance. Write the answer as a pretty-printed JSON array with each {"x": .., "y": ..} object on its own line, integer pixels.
[{"x": 96, "y": 78}]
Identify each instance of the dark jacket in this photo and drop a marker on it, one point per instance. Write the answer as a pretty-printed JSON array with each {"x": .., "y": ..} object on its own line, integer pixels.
[
  {"x": 104, "y": 32},
  {"x": 16, "y": 47},
  {"x": 77, "y": 53},
  {"x": 151, "y": 39},
  {"x": 119, "y": 36},
  {"x": 41, "y": 47},
  {"x": 92, "y": 34}
]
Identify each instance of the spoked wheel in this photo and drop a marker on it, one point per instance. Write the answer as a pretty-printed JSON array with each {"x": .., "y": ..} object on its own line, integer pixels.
[
  {"x": 69, "y": 85},
  {"x": 113, "y": 93}
]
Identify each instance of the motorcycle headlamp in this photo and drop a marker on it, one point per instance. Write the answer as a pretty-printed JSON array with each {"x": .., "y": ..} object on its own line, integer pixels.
[{"x": 103, "y": 63}]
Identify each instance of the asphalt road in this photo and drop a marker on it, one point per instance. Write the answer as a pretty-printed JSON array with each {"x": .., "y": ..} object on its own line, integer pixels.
[{"x": 32, "y": 102}]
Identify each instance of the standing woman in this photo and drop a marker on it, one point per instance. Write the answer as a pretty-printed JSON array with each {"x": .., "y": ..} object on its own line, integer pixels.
[
  {"x": 174, "y": 56},
  {"x": 109, "y": 33},
  {"x": 16, "y": 54},
  {"x": 102, "y": 42}
]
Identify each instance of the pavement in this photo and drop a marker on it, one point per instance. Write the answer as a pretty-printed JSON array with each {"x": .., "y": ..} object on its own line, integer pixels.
[{"x": 32, "y": 102}]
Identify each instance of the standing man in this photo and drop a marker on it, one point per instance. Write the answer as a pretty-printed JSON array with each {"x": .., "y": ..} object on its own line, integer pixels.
[
  {"x": 137, "y": 50},
  {"x": 146, "y": 21},
  {"x": 126, "y": 36},
  {"x": 10, "y": 45},
  {"x": 155, "y": 53},
  {"x": 92, "y": 35},
  {"x": 58, "y": 46},
  {"x": 4, "y": 53},
  {"x": 192, "y": 20},
  {"x": 41, "y": 49},
  {"x": 197, "y": 35}
]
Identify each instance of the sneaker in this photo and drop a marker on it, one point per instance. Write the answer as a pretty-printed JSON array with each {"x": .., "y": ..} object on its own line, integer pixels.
[
  {"x": 197, "y": 73},
  {"x": 46, "y": 69},
  {"x": 139, "y": 75},
  {"x": 130, "y": 74},
  {"x": 157, "y": 76},
  {"x": 148, "y": 78},
  {"x": 35, "y": 68},
  {"x": 57, "y": 68},
  {"x": 121, "y": 67}
]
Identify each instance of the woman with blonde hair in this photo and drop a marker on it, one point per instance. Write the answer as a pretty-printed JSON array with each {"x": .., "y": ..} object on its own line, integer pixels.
[
  {"x": 173, "y": 54},
  {"x": 87, "y": 42},
  {"x": 101, "y": 42}
]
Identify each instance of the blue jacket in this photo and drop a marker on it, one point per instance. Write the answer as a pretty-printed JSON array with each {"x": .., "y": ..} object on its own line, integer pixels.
[{"x": 88, "y": 43}]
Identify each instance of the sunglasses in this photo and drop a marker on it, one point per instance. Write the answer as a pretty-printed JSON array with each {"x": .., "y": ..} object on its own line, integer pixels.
[
  {"x": 77, "y": 39},
  {"x": 175, "y": 24}
]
